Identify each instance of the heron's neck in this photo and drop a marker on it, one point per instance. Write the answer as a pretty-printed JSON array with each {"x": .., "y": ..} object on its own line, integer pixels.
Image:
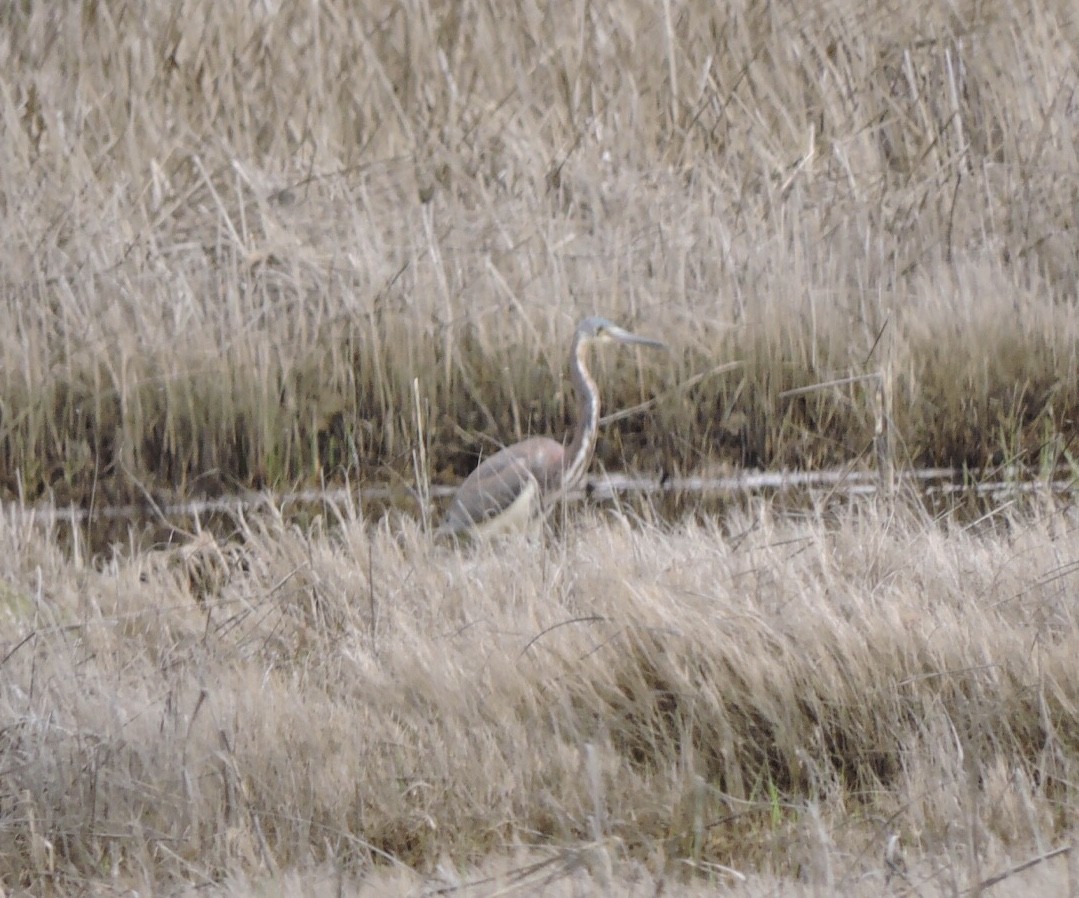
[{"x": 579, "y": 454}]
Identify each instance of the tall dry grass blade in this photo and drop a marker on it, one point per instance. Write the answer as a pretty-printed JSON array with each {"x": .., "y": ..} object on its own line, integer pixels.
[
  {"x": 420, "y": 468},
  {"x": 883, "y": 443}
]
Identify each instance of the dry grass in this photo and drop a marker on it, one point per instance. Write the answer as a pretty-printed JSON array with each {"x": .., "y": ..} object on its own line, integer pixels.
[
  {"x": 236, "y": 233},
  {"x": 776, "y": 696},
  {"x": 255, "y": 243}
]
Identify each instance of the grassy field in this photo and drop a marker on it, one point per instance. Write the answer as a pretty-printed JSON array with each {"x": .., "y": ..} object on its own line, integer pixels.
[
  {"x": 243, "y": 240},
  {"x": 766, "y": 704},
  {"x": 267, "y": 245}
]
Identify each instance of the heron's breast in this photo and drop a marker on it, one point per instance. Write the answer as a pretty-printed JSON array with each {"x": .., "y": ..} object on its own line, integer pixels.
[{"x": 544, "y": 459}]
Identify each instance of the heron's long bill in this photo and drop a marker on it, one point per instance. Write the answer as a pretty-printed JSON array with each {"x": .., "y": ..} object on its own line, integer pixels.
[{"x": 624, "y": 336}]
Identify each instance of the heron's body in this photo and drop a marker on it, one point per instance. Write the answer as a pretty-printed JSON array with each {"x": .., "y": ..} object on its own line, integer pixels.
[{"x": 513, "y": 485}]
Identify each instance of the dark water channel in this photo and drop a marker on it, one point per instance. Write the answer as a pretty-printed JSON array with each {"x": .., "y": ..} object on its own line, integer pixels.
[{"x": 124, "y": 529}]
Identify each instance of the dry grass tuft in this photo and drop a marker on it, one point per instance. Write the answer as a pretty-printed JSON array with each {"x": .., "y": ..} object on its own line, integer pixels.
[{"x": 776, "y": 696}]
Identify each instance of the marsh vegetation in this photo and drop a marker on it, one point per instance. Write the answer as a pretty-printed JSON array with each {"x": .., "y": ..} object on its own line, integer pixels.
[{"x": 260, "y": 246}]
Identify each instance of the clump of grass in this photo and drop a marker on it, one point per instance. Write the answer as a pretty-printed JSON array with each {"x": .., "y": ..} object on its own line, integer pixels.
[
  {"x": 771, "y": 695},
  {"x": 237, "y": 236}
]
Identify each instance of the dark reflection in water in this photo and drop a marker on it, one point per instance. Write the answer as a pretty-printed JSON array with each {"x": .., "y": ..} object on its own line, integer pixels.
[{"x": 124, "y": 529}]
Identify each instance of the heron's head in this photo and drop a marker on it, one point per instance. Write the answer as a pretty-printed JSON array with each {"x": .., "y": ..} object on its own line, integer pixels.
[{"x": 600, "y": 330}]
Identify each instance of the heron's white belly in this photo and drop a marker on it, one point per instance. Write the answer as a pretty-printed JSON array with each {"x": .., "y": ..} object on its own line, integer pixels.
[{"x": 517, "y": 515}]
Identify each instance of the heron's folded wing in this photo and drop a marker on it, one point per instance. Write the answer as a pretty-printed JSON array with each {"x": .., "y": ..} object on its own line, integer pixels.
[{"x": 487, "y": 493}]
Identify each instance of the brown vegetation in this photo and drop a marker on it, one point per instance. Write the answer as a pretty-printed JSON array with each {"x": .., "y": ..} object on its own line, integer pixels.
[
  {"x": 236, "y": 234},
  {"x": 781, "y": 697},
  {"x": 258, "y": 244}
]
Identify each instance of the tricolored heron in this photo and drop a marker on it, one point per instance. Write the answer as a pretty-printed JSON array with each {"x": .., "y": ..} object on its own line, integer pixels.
[{"x": 508, "y": 488}]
